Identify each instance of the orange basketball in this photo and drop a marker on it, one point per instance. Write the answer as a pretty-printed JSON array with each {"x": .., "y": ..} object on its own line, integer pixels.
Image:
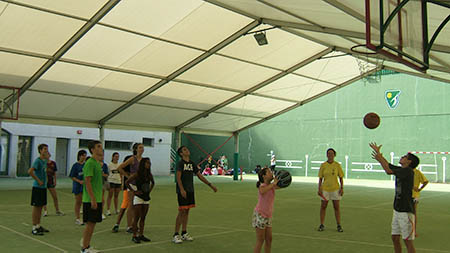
[{"x": 371, "y": 120}]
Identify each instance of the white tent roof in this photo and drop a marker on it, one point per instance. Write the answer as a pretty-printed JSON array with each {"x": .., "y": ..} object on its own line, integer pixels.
[{"x": 184, "y": 64}]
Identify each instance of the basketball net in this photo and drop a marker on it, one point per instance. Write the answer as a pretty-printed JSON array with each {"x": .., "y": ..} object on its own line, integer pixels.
[{"x": 367, "y": 60}]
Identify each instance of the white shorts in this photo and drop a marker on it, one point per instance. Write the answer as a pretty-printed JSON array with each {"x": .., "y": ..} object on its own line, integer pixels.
[
  {"x": 139, "y": 201},
  {"x": 330, "y": 195},
  {"x": 261, "y": 222},
  {"x": 403, "y": 224}
]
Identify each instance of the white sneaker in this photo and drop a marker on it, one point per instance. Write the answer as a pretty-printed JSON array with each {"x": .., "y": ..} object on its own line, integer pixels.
[
  {"x": 103, "y": 217},
  {"x": 90, "y": 250},
  {"x": 79, "y": 222},
  {"x": 45, "y": 214},
  {"x": 108, "y": 213},
  {"x": 187, "y": 237},
  {"x": 59, "y": 213},
  {"x": 177, "y": 239}
]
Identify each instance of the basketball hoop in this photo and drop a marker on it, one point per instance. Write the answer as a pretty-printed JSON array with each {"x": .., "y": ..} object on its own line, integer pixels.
[{"x": 366, "y": 58}]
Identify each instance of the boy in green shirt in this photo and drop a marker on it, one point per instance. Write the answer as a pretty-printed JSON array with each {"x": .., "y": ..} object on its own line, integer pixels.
[{"x": 92, "y": 193}]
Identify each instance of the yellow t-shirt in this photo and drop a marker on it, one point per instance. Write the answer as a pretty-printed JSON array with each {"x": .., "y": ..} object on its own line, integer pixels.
[
  {"x": 419, "y": 178},
  {"x": 330, "y": 173}
]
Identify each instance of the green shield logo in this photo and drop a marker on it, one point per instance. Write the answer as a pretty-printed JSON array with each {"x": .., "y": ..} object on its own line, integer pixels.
[{"x": 392, "y": 98}]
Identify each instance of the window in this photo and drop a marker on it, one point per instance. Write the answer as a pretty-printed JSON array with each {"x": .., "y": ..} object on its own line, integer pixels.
[
  {"x": 24, "y": 155},
  {"x": 4, "y": 152},
  {"x": 118, "y": 145},
  {"x": 83, "y": 143},
  {"x": 148, "y": 142}
]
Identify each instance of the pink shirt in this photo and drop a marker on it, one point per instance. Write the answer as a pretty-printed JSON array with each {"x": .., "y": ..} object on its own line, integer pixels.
[{"x": 265, "y": 202}]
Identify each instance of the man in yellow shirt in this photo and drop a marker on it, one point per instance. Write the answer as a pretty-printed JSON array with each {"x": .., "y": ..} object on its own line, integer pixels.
[
  {"x": 419, "y": 179},
  {"x": 330, "y": 188}
]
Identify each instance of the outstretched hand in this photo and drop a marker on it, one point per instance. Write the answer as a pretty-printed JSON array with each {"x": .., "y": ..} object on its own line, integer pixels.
[{"x": 376, "y": 150}]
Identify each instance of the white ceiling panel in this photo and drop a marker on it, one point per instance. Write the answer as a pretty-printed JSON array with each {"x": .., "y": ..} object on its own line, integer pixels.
[
  {"x": 89, "y": 109},
  {"x": 121, "y": 86},
  {"x": 255, "y": 106},
  {"x": 188, "y": 96},
  {"x": 293, "y": 87},
  {"x": 154, "y": 18},
  {"x": 259, "y": 9},
  {"x": 107, "y": 46},
  {"x": 15, "y": 70},
  {"x": 40, "y": 104},
  {"x": 222, "y": 122},
  {"x": 35, "y": 31},
  {"x": 282, "y": 51},
  {"x": 335, "y": 69},
  {"x": 321, "y": 13},
  {"x": 79, "y": 8},
  {"x": 70, "y": 78},
  {"x": 161, "y": 58},
  {"x": 224, "y": 72},
  {"x": 153, "y": 115},
  {"x": 205, "y": 26}
]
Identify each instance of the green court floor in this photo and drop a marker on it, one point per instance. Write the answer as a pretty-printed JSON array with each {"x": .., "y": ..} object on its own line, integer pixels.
[{"x": 221, "y": 222}]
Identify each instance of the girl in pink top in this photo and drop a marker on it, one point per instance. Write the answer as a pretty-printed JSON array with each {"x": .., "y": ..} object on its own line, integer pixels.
[{"x": 262, "y": 215}]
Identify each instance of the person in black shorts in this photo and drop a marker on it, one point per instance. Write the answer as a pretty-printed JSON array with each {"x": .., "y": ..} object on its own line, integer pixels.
[
  {"x": 125, "y": 202},
  {"x": 186, "y": 170},
  {"x": 51, "y": 184},
  {"x": 115, "y": 183},
  {"x": 403, "y": 216},
  {"x": 39, "y": 192},
  {"x": 92, "y": 193}
]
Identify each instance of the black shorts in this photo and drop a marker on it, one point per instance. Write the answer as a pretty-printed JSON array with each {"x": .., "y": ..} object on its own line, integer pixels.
[
  {"x": 39, "y": 196},
  {"x": 50, "y": 185},
  {"x": 91, "y": 215},
  {"x": 272, "y": 167},
  {"x": 114, "y": 186},
  {"x": 186, "y": 203}
]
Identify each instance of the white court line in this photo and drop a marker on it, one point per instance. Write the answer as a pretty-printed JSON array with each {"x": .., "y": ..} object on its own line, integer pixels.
[
  {"x": 333, "y": 240},
  {"x": 34, "y": 239},
  {"x": 166, "y": 241}
]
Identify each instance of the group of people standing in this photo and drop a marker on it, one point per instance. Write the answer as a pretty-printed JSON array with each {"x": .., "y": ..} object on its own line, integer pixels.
[
  {"x": 408, "y": 184},
  {"x": 91, "y": 177}
]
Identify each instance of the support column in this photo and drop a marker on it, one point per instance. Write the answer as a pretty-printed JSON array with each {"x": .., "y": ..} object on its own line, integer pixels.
[
  {"x": 177, "y": 156},
  {"x": 101, "y": 128},
  {"x": 236, "y": 156}
]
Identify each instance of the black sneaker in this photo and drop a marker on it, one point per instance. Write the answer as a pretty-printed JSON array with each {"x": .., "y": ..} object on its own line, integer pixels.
[
  {"x": 37, "y": 232},
  {"x": 42, "y": 229},
  {"x": 144, "y": 239},
  {"x": 339, "y": 228},
  {"x": 129, "y": 230},
  {"x": 321, "y": 228},
  {"x": 136, "y": 239},
  {"x": 115, "y": 228}
]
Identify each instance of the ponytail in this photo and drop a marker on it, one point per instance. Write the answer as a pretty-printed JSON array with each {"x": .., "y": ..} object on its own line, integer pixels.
[{"x": 261, "y": 175}]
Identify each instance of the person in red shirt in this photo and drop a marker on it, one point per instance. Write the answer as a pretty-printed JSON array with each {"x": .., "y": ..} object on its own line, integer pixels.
[{"x": 51, "y": 184}]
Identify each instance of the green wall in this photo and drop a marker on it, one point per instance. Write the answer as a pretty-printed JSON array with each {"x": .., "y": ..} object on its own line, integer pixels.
[{"x": 419, "y": 123}]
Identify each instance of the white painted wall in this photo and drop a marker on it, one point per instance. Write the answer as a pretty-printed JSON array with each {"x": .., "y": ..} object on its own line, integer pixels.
[{"x": 159, "y": 154}]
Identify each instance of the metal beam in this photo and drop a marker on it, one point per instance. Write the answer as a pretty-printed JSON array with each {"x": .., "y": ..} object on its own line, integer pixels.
[
  {"x": 181, "y": 70},
  {"x": 336, "y": 4},
  {"x": 313, "y": 28},
  {"x": 288, "y": 12},
  {"x": 256, "y": 87},
  {"x": 308, "y": 100},
  {"x": 77, "y": 36}
]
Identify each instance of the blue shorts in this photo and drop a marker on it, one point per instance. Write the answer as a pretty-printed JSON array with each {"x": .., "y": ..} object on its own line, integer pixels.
[{"x": 77, "y": 189}]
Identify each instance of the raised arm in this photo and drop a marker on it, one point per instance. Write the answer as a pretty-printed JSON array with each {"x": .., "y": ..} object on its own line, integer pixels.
[
  {"x": 266, "y": 188},
  {"x": 376, "y": 154},
  {"x": 123, "y": 165}
]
